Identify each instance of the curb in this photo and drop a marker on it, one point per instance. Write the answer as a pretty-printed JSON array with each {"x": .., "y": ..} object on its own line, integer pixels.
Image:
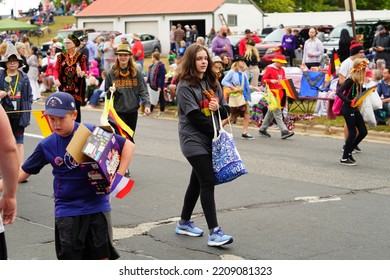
[
  {"x": 310, "y": 129},
  {"x": 306, "y": 129}
]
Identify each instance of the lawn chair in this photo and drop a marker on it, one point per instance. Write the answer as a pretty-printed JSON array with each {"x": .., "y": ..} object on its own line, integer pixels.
[{"x": 311, "y": 84}]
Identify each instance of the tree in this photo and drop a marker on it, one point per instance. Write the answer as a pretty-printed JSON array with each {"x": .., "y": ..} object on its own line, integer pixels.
[
  {"x": 281, "y": 6},
  {"x": 275, "y": 6}
]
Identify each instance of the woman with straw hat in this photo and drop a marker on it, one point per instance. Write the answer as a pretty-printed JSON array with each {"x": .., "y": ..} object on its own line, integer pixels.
[{"x": 128, "y": 87}]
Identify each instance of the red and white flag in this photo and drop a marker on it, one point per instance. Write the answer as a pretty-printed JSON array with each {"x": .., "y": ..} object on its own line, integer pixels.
[{"x": 120, "y": 186}]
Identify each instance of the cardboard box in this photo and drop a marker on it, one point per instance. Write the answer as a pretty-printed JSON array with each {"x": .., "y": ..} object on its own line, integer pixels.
[{"x": 97, "y": 153}]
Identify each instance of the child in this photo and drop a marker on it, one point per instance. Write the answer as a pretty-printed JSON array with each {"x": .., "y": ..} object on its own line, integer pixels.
[
  {"x": 171, "y": 57},
  {"x": 98, "y": 93},
  {"x": 82, "y": 217},
  {"x": 182, "y": 48}
]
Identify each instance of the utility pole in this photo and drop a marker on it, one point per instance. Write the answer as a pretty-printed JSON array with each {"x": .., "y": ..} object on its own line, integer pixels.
[{"x": 351, "y": 5}]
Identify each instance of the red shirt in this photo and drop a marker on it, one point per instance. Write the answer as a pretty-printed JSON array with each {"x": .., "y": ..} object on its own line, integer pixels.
[
  {"x": 242, "y": 46},
  {"x": 138, "y": 50},
  {"x": 273, "y": 73}
]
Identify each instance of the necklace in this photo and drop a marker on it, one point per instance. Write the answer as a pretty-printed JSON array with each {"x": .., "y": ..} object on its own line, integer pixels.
[
  {"x": 70, "y": 59},
  {"x": 8, "y": 79},
  {"x": 124, "y": 75}
]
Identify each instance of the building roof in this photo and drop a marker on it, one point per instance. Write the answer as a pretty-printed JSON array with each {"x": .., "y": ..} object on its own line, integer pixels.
[{"x": 148, "y": 7}]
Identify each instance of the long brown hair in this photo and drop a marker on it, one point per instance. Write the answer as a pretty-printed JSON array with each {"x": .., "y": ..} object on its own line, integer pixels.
[
  {"x": 188, "y": 70},
  {"x": 130, "y": 66}
]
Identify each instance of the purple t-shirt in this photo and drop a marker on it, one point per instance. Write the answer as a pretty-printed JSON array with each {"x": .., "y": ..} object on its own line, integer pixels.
[
  {"x": 288, "y": 42},
  {"x": 73, "y": 195}
]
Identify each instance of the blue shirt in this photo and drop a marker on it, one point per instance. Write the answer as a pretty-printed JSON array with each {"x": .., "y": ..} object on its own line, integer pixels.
[
  {"x": 383, "y": 88},
  {"x": 235, "y": 78},
  {"x": 73, "y": 194}
]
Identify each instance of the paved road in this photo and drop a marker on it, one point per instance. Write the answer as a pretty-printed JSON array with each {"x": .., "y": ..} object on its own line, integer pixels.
[{"x": 297, "y": 202}]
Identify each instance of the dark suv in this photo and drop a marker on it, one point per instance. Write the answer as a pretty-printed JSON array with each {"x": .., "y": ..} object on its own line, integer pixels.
[
  {"x": 272, "y": 43},
  {"x": 364, "y": 28}
]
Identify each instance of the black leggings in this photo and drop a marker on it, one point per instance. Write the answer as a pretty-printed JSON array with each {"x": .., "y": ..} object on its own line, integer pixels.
[
  {"x": 354, "y": 120},
  {"x": 201, "y": 183}
]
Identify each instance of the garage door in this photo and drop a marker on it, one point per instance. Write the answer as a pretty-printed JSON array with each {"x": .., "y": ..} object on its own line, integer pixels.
[
  {"x": 150, "y": 27},
  {"x": 100, "y": 26}
]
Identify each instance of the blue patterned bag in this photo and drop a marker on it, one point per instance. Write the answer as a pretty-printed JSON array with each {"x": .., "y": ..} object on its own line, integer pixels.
[{"x": 227, "y": 163}]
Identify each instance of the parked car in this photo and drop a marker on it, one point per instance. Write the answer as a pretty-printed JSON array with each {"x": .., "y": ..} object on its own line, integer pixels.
[
  {"x": 364, "y": 28},
  {"x": 266, "y": 30},
  {"x": 93, "y": 36},
  {"x": 272, "y": 43},
  {"x": 150, "y": 42},
  {"x": 63, "y": 33},
  {"x": 78, "y": 32}
]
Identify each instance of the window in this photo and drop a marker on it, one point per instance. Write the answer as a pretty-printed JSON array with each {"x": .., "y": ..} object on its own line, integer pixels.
[{"x": 232, "y": 20}]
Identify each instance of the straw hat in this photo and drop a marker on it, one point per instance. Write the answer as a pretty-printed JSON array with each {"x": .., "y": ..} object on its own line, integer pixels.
[
  {"x": 123, "y": 49},
  {"x": 136, "y": 36}
]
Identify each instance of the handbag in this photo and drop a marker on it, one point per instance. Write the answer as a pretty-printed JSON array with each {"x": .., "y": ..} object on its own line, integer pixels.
[
  {"x": 227, "y": 163},
  {"x": 338, "y": 103},
  {"x": 237, "y": 101},
  {"x": 271, "y": 100}
]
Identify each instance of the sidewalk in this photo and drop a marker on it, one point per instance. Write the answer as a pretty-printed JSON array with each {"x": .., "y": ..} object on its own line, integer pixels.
[
  {"x": 306, "y": 129},
  {"x": 309, "y": 129}
]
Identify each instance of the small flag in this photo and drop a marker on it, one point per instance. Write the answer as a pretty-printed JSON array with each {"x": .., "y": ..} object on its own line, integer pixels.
[
  {"x": 290, "y": 89},
  {"x": 43, "y": 122},
  {"x": 334, "y": 62},
  {"x": 119, "y": 125},
  {"x": 360, "y": 98},
  {"x": 120, "y": 186}
]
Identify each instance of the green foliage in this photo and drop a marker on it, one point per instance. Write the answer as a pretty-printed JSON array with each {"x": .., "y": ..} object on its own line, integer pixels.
[
  {"x": 273, "y": 6},
  {"x": 282, "y": 6}
]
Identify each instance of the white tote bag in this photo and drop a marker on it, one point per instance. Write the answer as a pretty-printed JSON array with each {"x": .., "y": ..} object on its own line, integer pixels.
[
  {"x": 376, "y": 101},
  {"x": 153, "y": 95}
]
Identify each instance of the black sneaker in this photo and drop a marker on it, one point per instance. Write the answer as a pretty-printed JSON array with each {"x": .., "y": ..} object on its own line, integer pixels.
[
  {"x": 351, "y": 158},
  {"x": 354, "y": 151},
  {"x": 247, "y": 136},
  {"x": 286, "y": 134},
  {"x": 127, "y": 174},
  {"x": 264, "y": 133},
  {"x": 347, "y": 162}
]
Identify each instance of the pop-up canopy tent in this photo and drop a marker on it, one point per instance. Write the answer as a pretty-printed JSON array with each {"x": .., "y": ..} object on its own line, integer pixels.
[{"x": 11, "y": 24}]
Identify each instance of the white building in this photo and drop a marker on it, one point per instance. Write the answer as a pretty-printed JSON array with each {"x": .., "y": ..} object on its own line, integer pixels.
[{"x": 157, "y": 16}]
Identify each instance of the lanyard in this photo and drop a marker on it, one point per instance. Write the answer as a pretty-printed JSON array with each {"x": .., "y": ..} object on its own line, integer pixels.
[{"x": 9, "y": 80}]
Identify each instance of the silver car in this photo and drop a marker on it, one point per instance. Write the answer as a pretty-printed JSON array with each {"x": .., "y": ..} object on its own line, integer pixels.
[{"x": 150, "y": 42}]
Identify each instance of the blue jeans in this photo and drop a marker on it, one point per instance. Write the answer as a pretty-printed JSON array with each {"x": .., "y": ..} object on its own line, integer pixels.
[{"x": 96, "y": 95}]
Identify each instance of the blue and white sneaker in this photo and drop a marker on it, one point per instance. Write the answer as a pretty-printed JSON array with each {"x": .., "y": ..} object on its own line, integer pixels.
[
  {"x": 188, "y": 229},
  {"x": 218, "y": 238}
]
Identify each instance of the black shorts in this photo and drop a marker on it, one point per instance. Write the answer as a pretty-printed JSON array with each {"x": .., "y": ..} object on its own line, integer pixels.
[
  {"x": 87, "y": 237},
  {"x": 3, "y": 245}
]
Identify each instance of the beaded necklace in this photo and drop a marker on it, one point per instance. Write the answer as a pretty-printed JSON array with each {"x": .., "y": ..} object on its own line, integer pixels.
[
  {"x": 359, "y": 90},
  {"x": 124, "y": 75}
]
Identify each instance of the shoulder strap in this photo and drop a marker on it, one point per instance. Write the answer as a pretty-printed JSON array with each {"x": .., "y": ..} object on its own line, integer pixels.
[{"x": 2, "y": 79}]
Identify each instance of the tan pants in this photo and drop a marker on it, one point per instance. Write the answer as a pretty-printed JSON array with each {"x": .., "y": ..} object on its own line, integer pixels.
[{"x": 255, "y": 75}]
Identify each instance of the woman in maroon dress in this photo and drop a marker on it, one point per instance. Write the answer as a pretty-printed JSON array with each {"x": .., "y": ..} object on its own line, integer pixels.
[{"x": 70, "y": 72}]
